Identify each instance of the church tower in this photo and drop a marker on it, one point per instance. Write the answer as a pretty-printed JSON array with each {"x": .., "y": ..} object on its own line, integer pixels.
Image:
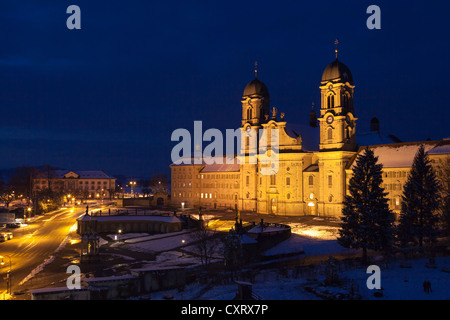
[
  {"x": 255, "y": 102},
  {"x": 255, "y": 112},
  {"x": 337, "y": 136},
  {"x": 337, "y": 116}
]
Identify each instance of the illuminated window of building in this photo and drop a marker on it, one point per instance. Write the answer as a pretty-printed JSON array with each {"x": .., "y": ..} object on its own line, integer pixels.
[{"x": 202, "y": 195}]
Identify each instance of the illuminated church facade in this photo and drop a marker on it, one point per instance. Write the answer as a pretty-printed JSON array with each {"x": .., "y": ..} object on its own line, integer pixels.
[{"x": 306, "y": 182}]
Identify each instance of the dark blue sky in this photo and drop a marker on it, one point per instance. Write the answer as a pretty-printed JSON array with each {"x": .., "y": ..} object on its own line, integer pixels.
[{"x": 108, "y": 96}]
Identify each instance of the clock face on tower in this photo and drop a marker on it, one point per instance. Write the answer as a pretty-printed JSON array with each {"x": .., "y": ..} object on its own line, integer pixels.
[{"x": 330, "y": 119}]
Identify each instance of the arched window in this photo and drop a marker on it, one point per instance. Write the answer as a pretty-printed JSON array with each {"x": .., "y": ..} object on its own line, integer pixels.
[
  {"x": 330, "y": 134},
  {"x": 330, "y": 101},
  {"x": 311, "y": 180},
  {"x": 249, "y": 113}
]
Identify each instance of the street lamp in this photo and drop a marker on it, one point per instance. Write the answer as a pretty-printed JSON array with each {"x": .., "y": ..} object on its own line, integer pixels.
[
  {"x": 132, "y": 183},
  {"x": 182, "y": 252},
  {"x": 9, "y": 272}
]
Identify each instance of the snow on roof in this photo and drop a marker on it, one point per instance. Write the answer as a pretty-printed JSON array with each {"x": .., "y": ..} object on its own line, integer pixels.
[
  {"x": 85, "y": 174},
  {"x": 169, "y": 219},
  {"x": 227, "y": 163},
  {"x": 257, "y": 229},
  {"x": 157, "y": 268},
  {"x": 247, "y": 240},
  {"x": 398, "y": 155},
  {"x": 112, "y": 278},
  {"x": 93, "y": 174},
  {"x": 443, "y": 148}
]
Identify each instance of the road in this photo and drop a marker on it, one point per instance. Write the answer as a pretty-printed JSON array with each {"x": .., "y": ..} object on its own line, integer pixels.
[{"x": 34, "y": 243}]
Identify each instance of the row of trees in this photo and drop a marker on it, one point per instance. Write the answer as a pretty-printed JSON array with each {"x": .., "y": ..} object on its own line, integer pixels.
[{"x": 367, "y": 221}]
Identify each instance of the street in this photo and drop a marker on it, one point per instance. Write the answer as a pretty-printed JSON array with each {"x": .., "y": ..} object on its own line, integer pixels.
[{"x": 33, "y": 244}]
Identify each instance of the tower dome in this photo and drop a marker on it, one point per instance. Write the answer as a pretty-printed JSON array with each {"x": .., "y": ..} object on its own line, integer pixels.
[
  {"x": 336, "y": 71},
  {"x": 256, "y": 87}
]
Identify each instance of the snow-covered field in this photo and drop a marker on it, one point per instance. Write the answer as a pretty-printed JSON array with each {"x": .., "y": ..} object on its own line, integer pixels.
[{"x": 309, "y": 242}]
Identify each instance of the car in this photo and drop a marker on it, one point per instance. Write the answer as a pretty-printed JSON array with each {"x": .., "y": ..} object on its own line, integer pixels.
[
  {"x": 2, "y": 237},
  {"x": 8, "y": 235},
  {"x": 13, "y": 225}
]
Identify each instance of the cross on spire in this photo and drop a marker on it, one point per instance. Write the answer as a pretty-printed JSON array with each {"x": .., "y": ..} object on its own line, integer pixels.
[
  {"x": 336, "y": 42},
  {"x": 256, "y": 69}
]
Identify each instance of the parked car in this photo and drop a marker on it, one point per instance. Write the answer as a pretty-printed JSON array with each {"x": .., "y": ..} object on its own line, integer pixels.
[
  {"x": 6, "y": 236},
  {"x": 13, "y": 225}
]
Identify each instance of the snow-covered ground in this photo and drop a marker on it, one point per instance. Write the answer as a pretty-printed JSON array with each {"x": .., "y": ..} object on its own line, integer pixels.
[{"x": 309, "y": 242}]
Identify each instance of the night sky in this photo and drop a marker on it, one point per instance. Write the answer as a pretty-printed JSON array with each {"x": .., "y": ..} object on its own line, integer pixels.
[{"x": 108, "y": 96}]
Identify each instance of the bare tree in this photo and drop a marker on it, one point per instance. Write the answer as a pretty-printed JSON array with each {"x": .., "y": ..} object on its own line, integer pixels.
[{"x": 205, "y": 244}]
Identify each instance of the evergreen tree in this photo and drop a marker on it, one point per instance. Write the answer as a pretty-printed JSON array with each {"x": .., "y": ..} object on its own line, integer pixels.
[
  {"x": 232, "y": 250},
  {"x": 418, "y": 217},
  {"x": 367, "y": 222},
  {"x": 444, "y": 180}
]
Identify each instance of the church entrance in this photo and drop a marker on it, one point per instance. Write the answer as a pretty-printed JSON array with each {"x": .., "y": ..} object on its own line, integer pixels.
[
  {"x": 311, "y": 209},
  {"x": 273, "y": 206}
]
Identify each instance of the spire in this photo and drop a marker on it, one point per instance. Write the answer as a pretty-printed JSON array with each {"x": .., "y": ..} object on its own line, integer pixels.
[
  {"x": 336, "y": 42},
  {"x": 256, "y": 69}
]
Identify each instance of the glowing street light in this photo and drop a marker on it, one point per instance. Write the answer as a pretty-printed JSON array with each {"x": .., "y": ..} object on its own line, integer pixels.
[{"x": 132, "y": 183}]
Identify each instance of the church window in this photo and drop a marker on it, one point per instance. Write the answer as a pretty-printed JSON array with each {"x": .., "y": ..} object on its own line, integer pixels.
[
  {"x": 288, "y": 196},
  {"x": 273, "y": 180},
  {"x": 330, "y": 134},
  {"x": 311, "y": 180},
  {"x": 247, "y": 181},
  {"x": 330, "y": 181},
  {"x": 288, "y": 181},
  {"x": 249, "y": 113},
  {"x": 330, "y": 101}
]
